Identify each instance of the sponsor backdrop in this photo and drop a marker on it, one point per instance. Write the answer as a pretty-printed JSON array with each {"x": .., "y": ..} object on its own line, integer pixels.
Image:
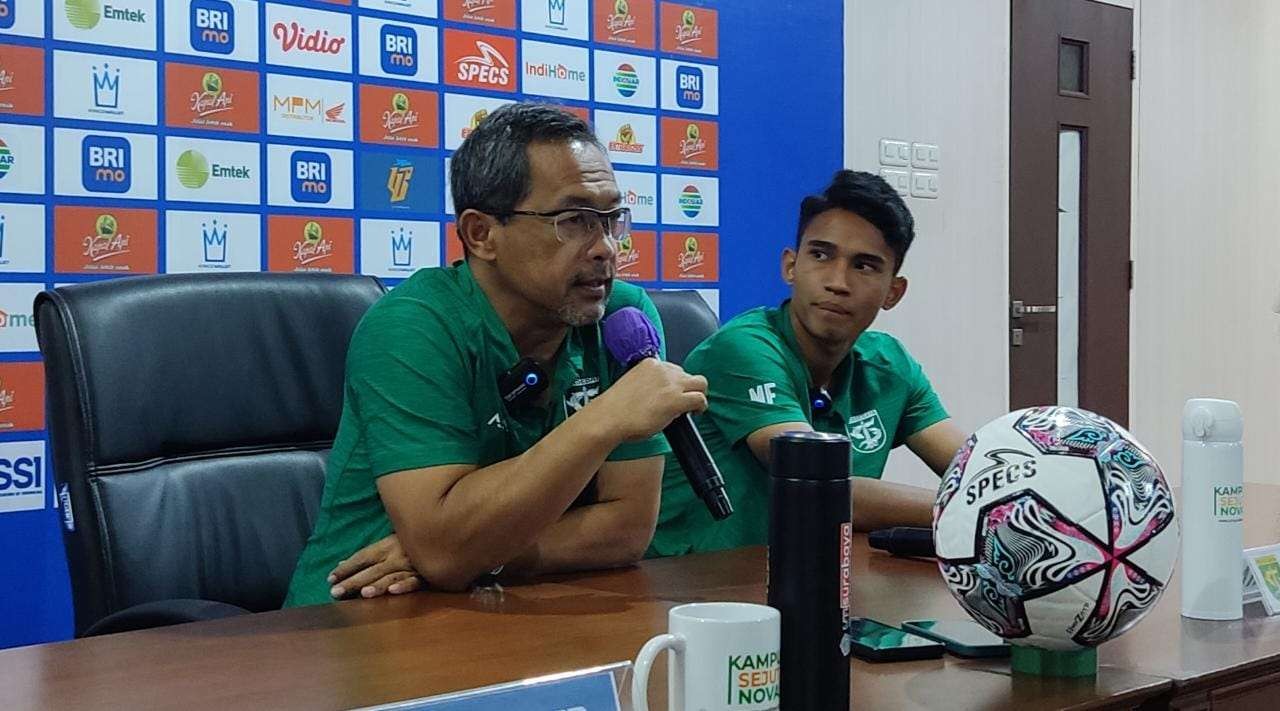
[{"x": 211, "y": 136}]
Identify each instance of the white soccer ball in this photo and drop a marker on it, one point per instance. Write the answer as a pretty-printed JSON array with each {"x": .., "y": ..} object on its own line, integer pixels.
[{"x": 1055, "y": 528}]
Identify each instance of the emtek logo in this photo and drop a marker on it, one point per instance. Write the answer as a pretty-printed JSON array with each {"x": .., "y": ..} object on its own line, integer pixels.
[
  {"x": 213, "y": 26},
  {"x": 399, "y": 50},
  {"x": 689, "y": 87},
  {"x": 6, "y": 14},
  {"x": 85, "y": 14},
  {"x": 105, "y": 164},
  {"x": 311, "y": 177}
]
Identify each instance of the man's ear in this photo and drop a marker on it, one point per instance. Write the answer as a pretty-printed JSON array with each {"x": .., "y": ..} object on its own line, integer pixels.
[
  {"x": 897, "y": 290},
  {"x": 476, "y": 230},
  {"x": 789, "y": 265}
]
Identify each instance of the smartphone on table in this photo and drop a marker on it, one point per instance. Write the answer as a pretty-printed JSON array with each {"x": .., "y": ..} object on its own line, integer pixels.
[
  {"x": 877, "y": 642},
  {"x": 963, "y": 638}
]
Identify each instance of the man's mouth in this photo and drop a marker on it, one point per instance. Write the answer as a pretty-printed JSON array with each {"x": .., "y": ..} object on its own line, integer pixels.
[
  {"x": 594, "y": 285},
  {"x": 833, "y": 308}
]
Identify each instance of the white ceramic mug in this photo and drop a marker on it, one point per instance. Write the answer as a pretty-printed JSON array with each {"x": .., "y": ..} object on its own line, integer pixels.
[{"x": 723, "y": 657}]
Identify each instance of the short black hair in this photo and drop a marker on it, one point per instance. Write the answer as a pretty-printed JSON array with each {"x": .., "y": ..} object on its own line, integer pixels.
[
  {"x": 868, "y": 196},
  {"x": 490, "y": 170}
]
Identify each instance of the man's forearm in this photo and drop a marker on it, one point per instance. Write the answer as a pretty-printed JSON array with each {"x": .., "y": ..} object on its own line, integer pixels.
[
  {"x": 608, "y": 534},
  {"x": 881, "y": 504},
  {"x": 489, "y": 516}
]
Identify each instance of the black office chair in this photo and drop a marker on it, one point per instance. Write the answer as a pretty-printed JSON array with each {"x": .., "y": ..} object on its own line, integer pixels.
[
  {"x": 686, "y": 321},
  {"x": 190, "y": 416}
]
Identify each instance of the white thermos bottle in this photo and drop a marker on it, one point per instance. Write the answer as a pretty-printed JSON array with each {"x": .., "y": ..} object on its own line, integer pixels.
[{"x": 1212, "y": 509}]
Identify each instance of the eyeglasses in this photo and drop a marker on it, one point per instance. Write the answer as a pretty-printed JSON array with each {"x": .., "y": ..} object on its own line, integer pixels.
[{"x": 582, "y": 225}]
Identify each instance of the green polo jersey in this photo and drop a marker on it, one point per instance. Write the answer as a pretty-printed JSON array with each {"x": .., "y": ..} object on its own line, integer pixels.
[
  {"x": 757, "y": 377},
  {"x": 422, "y": 390}
]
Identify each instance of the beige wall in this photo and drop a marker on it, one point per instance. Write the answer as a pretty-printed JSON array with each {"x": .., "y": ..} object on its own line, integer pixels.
[
  {"x": 956, "y": 95},
  {"x": 1205, "y": 245}
]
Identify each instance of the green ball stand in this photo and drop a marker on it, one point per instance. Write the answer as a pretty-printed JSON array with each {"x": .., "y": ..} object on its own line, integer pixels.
[{"x": 1048, "y": 662}]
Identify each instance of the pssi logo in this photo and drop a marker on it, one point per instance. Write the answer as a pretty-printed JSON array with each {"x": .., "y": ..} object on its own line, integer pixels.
[
  {"x": 105, "y": 164},
  {"x": 213, "y": 26},
  {"x": 399, "y": 50},
  {"x": 311, "y": 177}
]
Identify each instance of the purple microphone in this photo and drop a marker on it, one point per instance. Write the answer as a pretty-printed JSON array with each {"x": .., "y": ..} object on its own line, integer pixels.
[{"x": 631, "y": 337}]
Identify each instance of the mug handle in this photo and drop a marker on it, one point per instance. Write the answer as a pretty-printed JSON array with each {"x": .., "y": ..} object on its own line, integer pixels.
[{"x": 644, "y": 663}]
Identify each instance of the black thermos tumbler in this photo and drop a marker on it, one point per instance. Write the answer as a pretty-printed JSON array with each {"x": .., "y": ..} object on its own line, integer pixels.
[{"x": 810, "y": 545}]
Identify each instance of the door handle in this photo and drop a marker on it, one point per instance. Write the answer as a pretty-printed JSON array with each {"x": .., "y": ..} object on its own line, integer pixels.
[{"x": 1018, "y": 309}]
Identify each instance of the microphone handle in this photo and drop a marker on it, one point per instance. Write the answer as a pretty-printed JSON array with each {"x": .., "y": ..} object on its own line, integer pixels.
[{"x": 689, "y": 449}]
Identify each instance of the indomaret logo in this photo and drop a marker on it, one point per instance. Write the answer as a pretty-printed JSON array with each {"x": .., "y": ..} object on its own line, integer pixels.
[
  {"x": 213, "y": 26},
  {"x": 105, "y": 164},
  {"x": 313, "y": 247},
  {"x": 311, "y": 177},
  {"x": 487, "y": 66},
  {"x": 625, "y": 142},
  {"x": 210, "y": 99},
  {"x": 106, "y": 241},
  {"x": 399, "y": 50}
]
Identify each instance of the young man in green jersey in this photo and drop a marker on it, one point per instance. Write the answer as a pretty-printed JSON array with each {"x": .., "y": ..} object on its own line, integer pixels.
[
  {"x": 435, "y": 446},
  {"x": 811, "y": 364}
]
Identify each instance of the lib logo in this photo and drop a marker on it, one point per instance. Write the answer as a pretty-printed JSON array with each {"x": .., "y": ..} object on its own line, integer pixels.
[
  {"x": 555, "y": 13},
  {"x": 398, "y": 180},
  {"x": 399, "y": 50},
  {"x": 626, "y": 81},
  {"x": 689, "y": 87},
  {"x": 105, "y": 164},
  {"x": 401, "y": 247},
  {"x": 690, "y": 202},
  {"x": 214, "y": 237},
  {"x": 311, "y": 177},
  {"x": 213, "y": 26},
  {"x": 6, "y": 14},
  {"x": 6, "y": 159},
  {"x": 106, "y": 88}
]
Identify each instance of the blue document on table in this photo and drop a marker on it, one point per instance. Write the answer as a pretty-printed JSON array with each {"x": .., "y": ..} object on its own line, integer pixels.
[{"x": 593, "y": 691}]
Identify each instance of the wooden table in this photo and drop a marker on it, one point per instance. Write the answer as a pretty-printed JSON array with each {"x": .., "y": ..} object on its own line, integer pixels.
[{"x": 365, "y": 652}]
